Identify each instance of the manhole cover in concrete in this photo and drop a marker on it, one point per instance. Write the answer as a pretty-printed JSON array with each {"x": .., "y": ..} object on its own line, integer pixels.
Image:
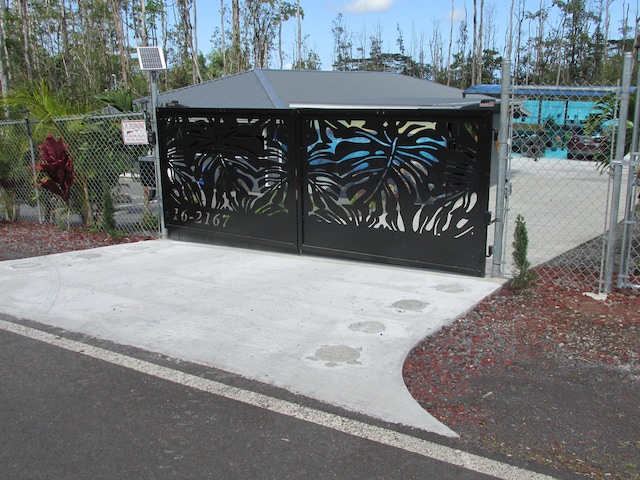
[
  {"x": 333, "y": 355},
  {"x": 413, "y": 305}
]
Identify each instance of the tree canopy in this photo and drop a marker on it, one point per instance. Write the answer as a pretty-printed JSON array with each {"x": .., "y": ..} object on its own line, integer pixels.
[{"x": 78, "y": 51}]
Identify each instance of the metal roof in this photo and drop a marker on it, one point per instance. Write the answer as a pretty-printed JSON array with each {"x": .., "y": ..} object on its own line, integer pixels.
[{"x": 267, "y": 89}]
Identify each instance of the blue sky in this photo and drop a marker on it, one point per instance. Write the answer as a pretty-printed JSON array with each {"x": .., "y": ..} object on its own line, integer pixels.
[{"x": 416, "y": 18}]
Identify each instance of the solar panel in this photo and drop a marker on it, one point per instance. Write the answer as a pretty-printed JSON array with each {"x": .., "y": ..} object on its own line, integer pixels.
[{"x": 151, "y": 58}]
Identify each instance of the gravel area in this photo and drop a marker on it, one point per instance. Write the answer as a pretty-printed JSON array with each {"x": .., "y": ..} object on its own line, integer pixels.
[{"x": 549, "y": 377}]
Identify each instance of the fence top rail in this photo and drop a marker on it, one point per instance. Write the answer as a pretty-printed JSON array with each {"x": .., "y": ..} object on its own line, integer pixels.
[
  {"x": 101, "y": 116},
  {"x": 76, "y": 118},
  {"x": 552, "y": 91},
  {"x": 11, "y": 122}
]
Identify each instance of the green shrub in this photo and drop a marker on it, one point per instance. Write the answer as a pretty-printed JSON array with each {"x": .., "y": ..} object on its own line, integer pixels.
[
  {"x": 108, "y": 220},
  {"x": 523, "y": 277}
]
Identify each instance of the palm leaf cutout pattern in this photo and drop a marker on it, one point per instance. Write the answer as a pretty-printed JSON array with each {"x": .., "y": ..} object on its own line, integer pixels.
[
  {"x": 227, "y": 163},
  {"x": 404, "y": 176}
]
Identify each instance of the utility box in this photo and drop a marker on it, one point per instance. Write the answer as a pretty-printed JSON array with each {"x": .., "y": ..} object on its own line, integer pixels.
[{"x": 147, "y": 168}]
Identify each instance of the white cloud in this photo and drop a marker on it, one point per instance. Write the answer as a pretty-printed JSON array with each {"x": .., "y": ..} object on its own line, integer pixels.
[
  {"x": 367, "y": 6},
  {"x": 457, "y": 15}
]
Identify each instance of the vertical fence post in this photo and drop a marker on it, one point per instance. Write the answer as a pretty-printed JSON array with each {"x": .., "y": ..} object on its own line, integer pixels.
[
  {"x": 33, "y": 166},
  {"x": 629, "y": 222},
  {"x": 629, "y": 217},
  {"x": 501, "y": 186},
  {"x": 617, "y": 163},
  {"x": 156, "y": 149}
]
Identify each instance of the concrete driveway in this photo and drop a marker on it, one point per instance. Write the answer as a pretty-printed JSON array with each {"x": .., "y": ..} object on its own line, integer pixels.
[{"x": 336, "y": 331}]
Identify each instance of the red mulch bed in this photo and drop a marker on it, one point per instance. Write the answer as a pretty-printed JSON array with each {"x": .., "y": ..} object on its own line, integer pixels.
[
  {"x": 26, "y": 239},
  {"x": 550, "y": 377}
]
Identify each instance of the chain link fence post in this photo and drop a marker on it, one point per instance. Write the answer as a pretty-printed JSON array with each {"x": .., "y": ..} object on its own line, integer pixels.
[
  {"x": 33, "y": 166},
  {"x": 617, "y": 165},
  {"x": 629, "y": 224},
  {"x": 501, "y": 182}
]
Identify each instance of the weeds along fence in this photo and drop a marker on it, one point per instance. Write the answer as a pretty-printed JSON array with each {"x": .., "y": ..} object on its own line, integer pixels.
[
  {"x": 560, "y": 176},
  {"x": 107, "y": 173}
]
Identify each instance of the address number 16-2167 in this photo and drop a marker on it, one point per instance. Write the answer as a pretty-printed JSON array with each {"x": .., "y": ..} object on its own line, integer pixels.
[{"x": 201, "y": 218}]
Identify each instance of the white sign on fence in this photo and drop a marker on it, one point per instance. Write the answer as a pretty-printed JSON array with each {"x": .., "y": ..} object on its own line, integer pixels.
[{"x": 134, "y": 132}]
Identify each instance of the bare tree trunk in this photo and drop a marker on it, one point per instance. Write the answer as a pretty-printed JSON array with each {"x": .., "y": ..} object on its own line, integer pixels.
[
  {"x": 540, "y": 40},
  {"x": 450, "y": 44},
  {"x": 164, "y": 39},
  {"x": 474, "y": 55},
  {"x": 24, "y": 20},
  {"x": 280, "y": 20},
  {"x": 4, "y": 80},
  {"x": 117, "y": 20},
  {"x": 435, "y": 47},
  {"x": 480, "y": 45},
  {"x": 184, "y": 7},
  {"x": 510, "y": 39},
  {"x": 195, "y": 48},
  {"x": 560, "y": 47},
  {"x": 224, "y": 39},
  {"x": 64, "y": 37},
  {"x": 607, "y": 26},
  {"x": 235, "y": 45},
  {"x": 299, "y": 34},
  {"x": 421, "y": 57},
  {"x": 144, "y": 39},
  {"x": 362, "y": 46}
]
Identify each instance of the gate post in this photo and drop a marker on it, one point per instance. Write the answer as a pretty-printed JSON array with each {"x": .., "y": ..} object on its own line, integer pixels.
[
  {"x": 629, "y": 216},
  {"x": 616, "y": 163},
  {"x": 501, "y": 186}
]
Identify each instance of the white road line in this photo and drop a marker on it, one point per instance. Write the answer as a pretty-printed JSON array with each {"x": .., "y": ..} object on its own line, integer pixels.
[{"x": 356, "y": 428}]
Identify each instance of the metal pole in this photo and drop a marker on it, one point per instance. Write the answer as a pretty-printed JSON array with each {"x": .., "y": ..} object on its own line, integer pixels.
[
  {"x": 156, "y": 147},
  {"x": 501, "y": 186},
  {"x": 629, "y": 222},
  {"x": 616, "y": 163},
  {"x": 33, "y": 168}
]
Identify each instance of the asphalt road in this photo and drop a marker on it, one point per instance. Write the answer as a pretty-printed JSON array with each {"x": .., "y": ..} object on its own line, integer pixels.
[{"x": 68, "y": 415}]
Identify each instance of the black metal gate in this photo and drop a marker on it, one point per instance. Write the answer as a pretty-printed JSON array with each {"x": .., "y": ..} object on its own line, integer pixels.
[
  {"x": 398, "y": 187},
  {"x": 227, "y": 176},
  {"x": 401, "y": 187}
]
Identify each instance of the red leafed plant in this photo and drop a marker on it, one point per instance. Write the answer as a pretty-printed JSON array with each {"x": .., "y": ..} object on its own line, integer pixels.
[{"x": 58, "y": 166}]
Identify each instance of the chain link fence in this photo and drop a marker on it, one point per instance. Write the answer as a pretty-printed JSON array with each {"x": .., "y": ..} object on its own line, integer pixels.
[
  {"x": 632, "y": 275},
  {"x": 562, "y": 143},
  {"x": 629, "y": 268},
  {"x": 114, "y": 183}
]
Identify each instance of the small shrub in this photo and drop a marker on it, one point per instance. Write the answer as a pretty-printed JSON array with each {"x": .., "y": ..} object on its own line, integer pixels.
[
  {"x": 57, "y": 166},
  {"x": 108, "y": 219},
  {"x": 523, "y": 277}
]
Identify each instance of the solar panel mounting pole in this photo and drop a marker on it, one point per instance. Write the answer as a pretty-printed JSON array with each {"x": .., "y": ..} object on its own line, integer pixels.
[{"x": 151, "y": 59}]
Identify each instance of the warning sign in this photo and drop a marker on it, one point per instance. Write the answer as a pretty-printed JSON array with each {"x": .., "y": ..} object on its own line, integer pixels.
[{"x": 134, "y": 132}]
